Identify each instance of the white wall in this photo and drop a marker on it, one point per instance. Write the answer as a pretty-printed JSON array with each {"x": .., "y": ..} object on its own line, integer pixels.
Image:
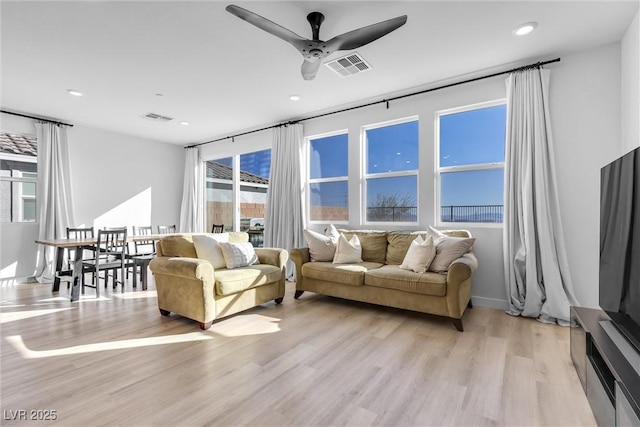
[
  {"x": 116, "y": 180},
  {"x": 630, "y": 51},
  {"x": 585, "y": 116}
]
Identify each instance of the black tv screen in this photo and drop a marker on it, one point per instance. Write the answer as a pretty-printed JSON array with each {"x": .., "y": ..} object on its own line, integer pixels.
[{"x": 620, "y": 244}]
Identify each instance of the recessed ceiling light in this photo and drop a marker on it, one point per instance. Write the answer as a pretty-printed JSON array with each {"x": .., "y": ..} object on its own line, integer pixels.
[
  {"x": 294, "y": 97},
  {"x": 74, "y": 92},
  {"x": 524, "y": 29},
  {"x": 184, "y": 123}
]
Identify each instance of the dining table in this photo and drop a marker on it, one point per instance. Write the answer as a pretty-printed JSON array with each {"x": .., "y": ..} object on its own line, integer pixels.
[{"x": 77, "y": 246}]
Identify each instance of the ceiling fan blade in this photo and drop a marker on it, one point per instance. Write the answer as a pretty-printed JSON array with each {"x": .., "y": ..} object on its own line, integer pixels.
[
  {"x": 268, "y": 26},
  {"x": 360, "y": 37},
  {"x": 310, "y": 68}
]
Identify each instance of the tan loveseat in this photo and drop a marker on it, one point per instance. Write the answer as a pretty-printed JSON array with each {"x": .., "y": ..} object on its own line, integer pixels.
[
  {"x": 192, "y": 288},
  {"x": 380, "y": 280}
]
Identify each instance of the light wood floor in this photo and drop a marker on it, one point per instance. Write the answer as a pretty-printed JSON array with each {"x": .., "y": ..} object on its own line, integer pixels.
[{"x": 316, "y": 361}]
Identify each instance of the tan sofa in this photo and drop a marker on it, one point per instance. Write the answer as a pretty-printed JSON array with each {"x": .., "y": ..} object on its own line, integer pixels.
[
  {"x": 192, "y": 288},
  {"x": 380, "y": 280}
]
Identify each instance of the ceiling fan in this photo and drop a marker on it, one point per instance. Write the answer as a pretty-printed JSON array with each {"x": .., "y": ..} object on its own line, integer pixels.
[{"x": 315, "y": 50}]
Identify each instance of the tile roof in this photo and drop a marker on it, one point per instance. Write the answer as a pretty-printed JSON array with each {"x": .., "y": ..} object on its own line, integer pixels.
[
  {"x": 220, "y": 171},
  {"x": 18, "y": 144}
]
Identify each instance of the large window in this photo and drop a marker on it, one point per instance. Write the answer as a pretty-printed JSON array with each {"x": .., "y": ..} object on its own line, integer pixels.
[
  {"x": 328, "y": 178},
  {"x": 238, "y": 184},
  {"x": 391, "y": 172},
  {"x": 471, "y": 143},
  {"x": 18, "y": 176}
]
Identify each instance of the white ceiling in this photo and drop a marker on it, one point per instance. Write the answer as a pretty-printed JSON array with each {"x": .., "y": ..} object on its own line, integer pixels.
[{"x": 224, "y": 76}]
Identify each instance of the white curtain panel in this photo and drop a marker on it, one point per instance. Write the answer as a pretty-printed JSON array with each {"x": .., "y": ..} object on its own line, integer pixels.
[
  {"x": 285, "y": 217},
  {"x": 192, "y": 207},
  {"x": 535, "y": 263},
  {"x": 53, "y": 191}
]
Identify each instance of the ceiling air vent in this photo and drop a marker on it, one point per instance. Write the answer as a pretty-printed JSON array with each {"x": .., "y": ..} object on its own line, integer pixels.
[
  {"x": 348, "y": 65},
  {"x": 157, "y": 117}
]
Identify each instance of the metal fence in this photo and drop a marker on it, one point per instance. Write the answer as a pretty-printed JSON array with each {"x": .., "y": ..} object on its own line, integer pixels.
[
  {"x": 393, "y": 214},
  {"x": 472, "y": 213}
]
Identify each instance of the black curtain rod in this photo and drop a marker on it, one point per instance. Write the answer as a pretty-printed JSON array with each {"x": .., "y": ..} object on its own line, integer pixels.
[
  {"x": 383, "y": 101},
  {"x": 36, "y": 118}
]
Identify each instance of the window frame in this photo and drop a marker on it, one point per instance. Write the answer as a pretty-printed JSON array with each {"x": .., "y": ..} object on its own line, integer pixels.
[
  {"x": 236, "y": 182},
  {"x": 17, "y": 201},
  {"x": 464, "y": 168},
  {"x": 310, "y": 181},
  {"x": 364, "y": 177}
]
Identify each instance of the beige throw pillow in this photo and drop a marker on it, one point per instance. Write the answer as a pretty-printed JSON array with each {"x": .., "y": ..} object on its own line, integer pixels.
[
  {"x": 238, "y": 255},
  {"x": 208, "y": 247},
  {"x": 322, "y": 247},
  {"x": 348, "y": 251},
  {"x": 448, "y": 249},
  {"x": 420, "y": 255}
]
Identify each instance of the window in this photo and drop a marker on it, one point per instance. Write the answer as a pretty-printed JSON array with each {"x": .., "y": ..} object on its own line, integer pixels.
[
  {"x": 238, "y": 184},
  {"x": 18, "y": 177},
  {"x": 328, "y": 178},
  {"x": 391, "y": 172},
  {"x": 470, "y": 173},
  {"x": 254, "y": 181}
]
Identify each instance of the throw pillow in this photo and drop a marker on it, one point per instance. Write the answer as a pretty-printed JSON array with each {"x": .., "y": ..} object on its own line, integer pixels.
[
  {"x": 239, "y": 254},
  {"x": 322, "y": 247},
  {"x": 448, "y": 249},
  {"x": 348, "y": 251},
  {"x": 420, "y": 255},
  {"x": 208, "y": 247}
]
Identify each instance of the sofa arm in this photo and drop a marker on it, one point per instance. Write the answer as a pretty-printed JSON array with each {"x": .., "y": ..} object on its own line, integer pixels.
[
  {"x": 273, "y": 256},
  {"x": 300, "y": 256},
  {"x": 462, "y": 268},
  {"x": 191, "y": 268}
]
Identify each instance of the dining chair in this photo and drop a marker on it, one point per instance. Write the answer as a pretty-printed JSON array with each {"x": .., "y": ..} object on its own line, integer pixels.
[
  {"x": 80, "y": 233},
  {"x": 215, "y": 228},
  {"x": 144, "y": 252},
  {"x": 111, "y": 254},
  {"x": 166, "y": 229}
]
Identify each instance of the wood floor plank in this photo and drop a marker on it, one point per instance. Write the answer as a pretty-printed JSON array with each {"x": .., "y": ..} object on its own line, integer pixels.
[{"x": 316, "y": 361}]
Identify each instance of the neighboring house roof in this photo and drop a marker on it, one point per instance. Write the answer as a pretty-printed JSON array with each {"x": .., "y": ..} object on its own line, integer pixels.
[
  {"x": 18, "y": 144},
  {"x": 219, "y": 171}
]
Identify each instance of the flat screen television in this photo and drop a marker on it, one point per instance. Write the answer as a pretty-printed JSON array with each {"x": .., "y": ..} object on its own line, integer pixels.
[{"x": 620, "y": 244}]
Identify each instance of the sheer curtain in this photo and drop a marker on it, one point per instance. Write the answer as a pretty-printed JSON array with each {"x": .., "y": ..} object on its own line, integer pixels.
[
  {"x": 535, "y": 263},
  {"x": 192, "y": 207},
  {"x": 54, "y": 198},
  {"x": 285, "y": 217}
]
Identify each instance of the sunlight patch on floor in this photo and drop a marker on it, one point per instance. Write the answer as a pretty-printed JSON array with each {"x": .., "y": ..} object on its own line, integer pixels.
[
  {"x": 136, "y": 295},
  {"x": 26, "y": 353},
  {"x": 12, "y": 316},
  {"x": 246, "y": 324}
]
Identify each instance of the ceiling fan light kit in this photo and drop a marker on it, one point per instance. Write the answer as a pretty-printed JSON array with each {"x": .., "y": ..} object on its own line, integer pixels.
[{"x": 314, "y": 50}]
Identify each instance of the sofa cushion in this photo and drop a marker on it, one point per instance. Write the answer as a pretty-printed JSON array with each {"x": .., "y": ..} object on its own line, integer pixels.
[
  {"x": 398, "y": 245},
  {"x": 393, "y": 277},
  {"x": 346, "y": 274},
  {"x": 374, "y": 244},
  {"x": 238, "y": 236},
  {"x": 238, "y": 279}
]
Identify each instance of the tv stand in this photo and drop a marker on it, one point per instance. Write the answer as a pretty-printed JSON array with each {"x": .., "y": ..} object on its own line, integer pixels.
[{"x": 606, "y": 368}]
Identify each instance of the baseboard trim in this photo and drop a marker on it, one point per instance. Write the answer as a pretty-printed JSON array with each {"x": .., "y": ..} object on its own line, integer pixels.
[{"x": 499, "y": 304}]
